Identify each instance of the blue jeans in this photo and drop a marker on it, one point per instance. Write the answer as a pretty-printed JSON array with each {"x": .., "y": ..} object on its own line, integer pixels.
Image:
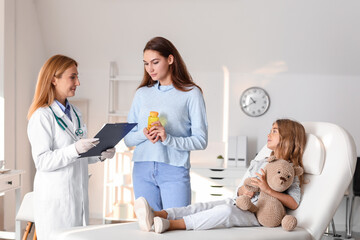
[{"x": 162, "y": 185}]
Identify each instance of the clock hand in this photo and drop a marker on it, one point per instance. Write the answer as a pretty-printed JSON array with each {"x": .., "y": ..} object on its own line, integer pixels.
[
  {"x": 253, "y": 101},
  {"x": 245, "y": 106}
]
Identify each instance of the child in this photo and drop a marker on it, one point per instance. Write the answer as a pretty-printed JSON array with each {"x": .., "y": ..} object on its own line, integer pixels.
[{"x": 287, "y": 141}]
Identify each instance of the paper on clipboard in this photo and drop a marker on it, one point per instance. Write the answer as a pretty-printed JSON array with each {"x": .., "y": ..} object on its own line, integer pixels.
[{"x": 109, "y": 136}]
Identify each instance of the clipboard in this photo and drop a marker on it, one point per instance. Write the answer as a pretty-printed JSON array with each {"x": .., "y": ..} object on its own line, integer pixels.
[{"x": 109, "y": 136}]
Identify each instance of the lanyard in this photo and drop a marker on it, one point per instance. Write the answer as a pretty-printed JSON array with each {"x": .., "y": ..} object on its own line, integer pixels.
[{"x": 79, "y": 132}]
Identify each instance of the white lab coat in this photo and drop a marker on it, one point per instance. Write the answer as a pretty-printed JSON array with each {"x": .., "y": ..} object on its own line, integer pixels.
[{"x": 61, "y": 180}]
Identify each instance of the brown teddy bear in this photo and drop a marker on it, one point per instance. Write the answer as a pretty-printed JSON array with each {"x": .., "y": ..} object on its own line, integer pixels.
[{"x": 269, "y": 210}]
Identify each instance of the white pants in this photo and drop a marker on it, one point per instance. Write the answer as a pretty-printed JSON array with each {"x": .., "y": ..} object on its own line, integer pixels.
[{"x": 216, "y": 214}]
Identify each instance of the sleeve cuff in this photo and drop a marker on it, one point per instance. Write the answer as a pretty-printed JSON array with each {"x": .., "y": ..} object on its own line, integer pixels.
[
  {"x": 71, "y": 154},
  {"x": 167, "y": 140},
  {"x": 71, "y": 149}
]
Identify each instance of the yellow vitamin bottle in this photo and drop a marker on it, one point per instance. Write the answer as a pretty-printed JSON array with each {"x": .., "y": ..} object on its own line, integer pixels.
[{"x": 152, "y": 118}]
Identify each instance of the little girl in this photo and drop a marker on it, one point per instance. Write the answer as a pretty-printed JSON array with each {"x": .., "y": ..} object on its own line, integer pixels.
[{"x": 287, "y": 141}]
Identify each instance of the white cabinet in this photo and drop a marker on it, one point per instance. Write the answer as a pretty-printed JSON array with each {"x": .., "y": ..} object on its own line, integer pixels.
[
  {"x": 118, "y": 196},
  {"x": 12, "y": 180},
  {"x": 208, "y": 184}
]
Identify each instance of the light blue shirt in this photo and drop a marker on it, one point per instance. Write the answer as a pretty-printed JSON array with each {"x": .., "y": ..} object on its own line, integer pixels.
[
  {"x": 183, "y": 115},
  {"x": 65, "y": 109}
]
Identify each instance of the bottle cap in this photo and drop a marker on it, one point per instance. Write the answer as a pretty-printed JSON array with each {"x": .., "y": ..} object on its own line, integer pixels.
[{"x": 154, "y": 114}]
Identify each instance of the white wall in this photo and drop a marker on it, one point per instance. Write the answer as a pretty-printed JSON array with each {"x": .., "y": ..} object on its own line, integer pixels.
[
  {"x": 304, "y": 54},
  {"x": 328, "y": 98},
  {"x": 2, "y": 110},
  {"x": 2, "y": 47},
  {"x": 261, "y": 42},
  {"x": 24, "y": 56},
  {"x": 30, "y": 57},
  {"x": 9, "y": 89}
]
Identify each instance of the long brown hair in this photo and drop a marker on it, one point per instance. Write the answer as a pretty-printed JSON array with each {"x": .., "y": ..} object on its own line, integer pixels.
[
  {"x": 180, "y": 77},
  {"x": 45, "y": 90},
  {"x": 292, "y": 142}
]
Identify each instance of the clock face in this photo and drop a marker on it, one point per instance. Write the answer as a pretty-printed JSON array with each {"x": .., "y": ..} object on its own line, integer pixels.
[{"x": 255, "y": 101}]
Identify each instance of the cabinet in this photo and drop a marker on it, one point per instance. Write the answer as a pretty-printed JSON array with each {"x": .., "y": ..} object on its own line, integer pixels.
[
  {"x": 118, "y": 196},
  {"x": 12, "y": 180},
  {"x": 210, "y": 184}
]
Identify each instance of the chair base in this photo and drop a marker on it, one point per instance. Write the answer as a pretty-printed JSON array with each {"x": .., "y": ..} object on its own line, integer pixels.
[
  {"x": 348, "y": 233},
  {"x": 28, "y": 230}
]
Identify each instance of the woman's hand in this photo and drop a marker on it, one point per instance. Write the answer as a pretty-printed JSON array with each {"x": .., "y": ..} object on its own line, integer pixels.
[
  {"x": 151, "y": 135},
  {"x": 261, "y": 182},
  {"x": 159, "y": 130},
  {"x": 156, "y": 132}
]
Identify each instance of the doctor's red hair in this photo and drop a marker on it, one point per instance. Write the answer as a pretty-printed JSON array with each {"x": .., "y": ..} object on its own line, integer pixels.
[{"x": 45, "y": 90}]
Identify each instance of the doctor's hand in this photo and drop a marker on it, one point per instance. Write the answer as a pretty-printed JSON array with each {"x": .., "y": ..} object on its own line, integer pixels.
[
  {"x": 85, "y": 144},
  {"x": 108, "y": 153}
]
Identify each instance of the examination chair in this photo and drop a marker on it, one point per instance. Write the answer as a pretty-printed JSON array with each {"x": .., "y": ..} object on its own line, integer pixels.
[{"x": 329, "y": 164}]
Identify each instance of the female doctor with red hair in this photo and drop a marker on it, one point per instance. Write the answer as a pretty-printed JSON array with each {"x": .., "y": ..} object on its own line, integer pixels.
[{"x": 57, "y": 136}]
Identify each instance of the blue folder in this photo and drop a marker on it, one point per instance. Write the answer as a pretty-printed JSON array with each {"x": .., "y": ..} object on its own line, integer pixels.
[{"x": 109, "y": 136}]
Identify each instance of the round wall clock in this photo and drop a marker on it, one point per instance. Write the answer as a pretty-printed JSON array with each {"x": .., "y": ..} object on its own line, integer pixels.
[{"x": 255, "y": 101}]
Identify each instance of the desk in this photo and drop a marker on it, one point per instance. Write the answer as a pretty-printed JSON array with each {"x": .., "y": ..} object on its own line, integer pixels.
[{"x": 12, "y": 181}]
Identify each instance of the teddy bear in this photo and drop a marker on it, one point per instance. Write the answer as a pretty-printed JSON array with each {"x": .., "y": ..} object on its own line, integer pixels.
[{"x": 269, "y": 210}]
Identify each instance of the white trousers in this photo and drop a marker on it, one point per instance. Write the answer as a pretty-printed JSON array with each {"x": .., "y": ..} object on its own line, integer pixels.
[{"x": 215, "y": 214}]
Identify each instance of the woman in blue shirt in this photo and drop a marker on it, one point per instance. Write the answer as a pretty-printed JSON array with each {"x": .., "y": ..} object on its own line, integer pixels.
[{"x": 162, "y": 154}]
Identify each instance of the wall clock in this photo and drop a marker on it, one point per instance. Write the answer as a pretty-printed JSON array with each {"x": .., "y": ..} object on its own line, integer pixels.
[{"x": 255, "y": 101}]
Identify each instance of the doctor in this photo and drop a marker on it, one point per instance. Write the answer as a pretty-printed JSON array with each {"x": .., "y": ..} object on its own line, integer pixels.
[{"x": 58, "y": 136}]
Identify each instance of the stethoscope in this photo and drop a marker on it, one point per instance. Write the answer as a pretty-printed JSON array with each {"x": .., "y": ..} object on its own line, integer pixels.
[{"x": 78, "y": 133}]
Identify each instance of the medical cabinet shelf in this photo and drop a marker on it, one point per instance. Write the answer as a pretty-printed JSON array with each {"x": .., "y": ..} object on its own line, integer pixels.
[{"x": 118, "y": 196}]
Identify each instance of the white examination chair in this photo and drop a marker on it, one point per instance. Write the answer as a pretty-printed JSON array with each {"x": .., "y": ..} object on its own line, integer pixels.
[{"x": 329, "y": 163}]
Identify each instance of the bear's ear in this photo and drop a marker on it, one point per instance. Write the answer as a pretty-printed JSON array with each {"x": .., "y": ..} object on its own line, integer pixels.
[
  {"x": 271, "y": 158},
  {"x": 298, "y": 171}
]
